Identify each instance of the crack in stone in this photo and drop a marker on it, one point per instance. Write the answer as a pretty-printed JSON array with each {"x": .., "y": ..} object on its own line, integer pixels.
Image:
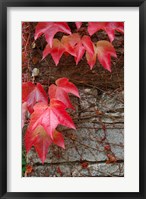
[{"x": 76, "y": 162}]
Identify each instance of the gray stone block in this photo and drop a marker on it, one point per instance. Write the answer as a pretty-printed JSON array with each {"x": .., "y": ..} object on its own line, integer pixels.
[{"x": 77, "y": 170}]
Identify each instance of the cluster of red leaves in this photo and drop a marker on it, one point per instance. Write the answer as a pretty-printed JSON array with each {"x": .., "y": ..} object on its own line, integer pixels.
[
  {"x": 76, "y": 46},
  {"x": 44, "y": 119}
]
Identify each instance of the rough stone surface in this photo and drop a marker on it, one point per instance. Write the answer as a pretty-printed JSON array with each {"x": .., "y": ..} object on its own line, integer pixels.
[
  {"x": 96, "y": 147},
  {"x": 77, "y": 170}
]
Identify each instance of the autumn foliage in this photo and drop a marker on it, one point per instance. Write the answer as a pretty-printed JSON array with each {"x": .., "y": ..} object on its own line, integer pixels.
[{"x": 45, "y": 110}]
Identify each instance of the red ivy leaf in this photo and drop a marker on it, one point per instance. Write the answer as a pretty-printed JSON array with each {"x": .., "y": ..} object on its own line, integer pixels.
[
  {"x": 105, "y": 50},
  {"x": 84, "y": 165},
  {"x": 78, "y": 24},
  {"x": 79, "y": 51},
  {"x": 109, "y": 27},
  {"x": 95, "y": 26},
  {"x": 56, "y": 51},
  {"x": 91, "y": 60},
  {"x": 61, "y": 89},
  {"x": 107, "y": 148},
  {"x": 24, "y": 110},
  {"x": 49, "y": 117},
  {"x": 111, "y": 159},
  {"x": 32, "y": 93},
  {"x": 87, "y": 43},
  {"x": 29, "y": 169},
  {"x": 69, "y": 43},
  {"x": 41, "y": 28},
  {"x": 40, "y": 140},
  {"x": 68, "y": 86},
  {"x": 49, "y": 29},
  {"x": 112, "y": 26},
  {"x": 58, "y": 139},
  {"x": 76, "y": 46}
]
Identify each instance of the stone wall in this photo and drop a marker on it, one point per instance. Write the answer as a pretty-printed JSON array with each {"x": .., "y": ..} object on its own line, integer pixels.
[{"x": 96, "y": 147}]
